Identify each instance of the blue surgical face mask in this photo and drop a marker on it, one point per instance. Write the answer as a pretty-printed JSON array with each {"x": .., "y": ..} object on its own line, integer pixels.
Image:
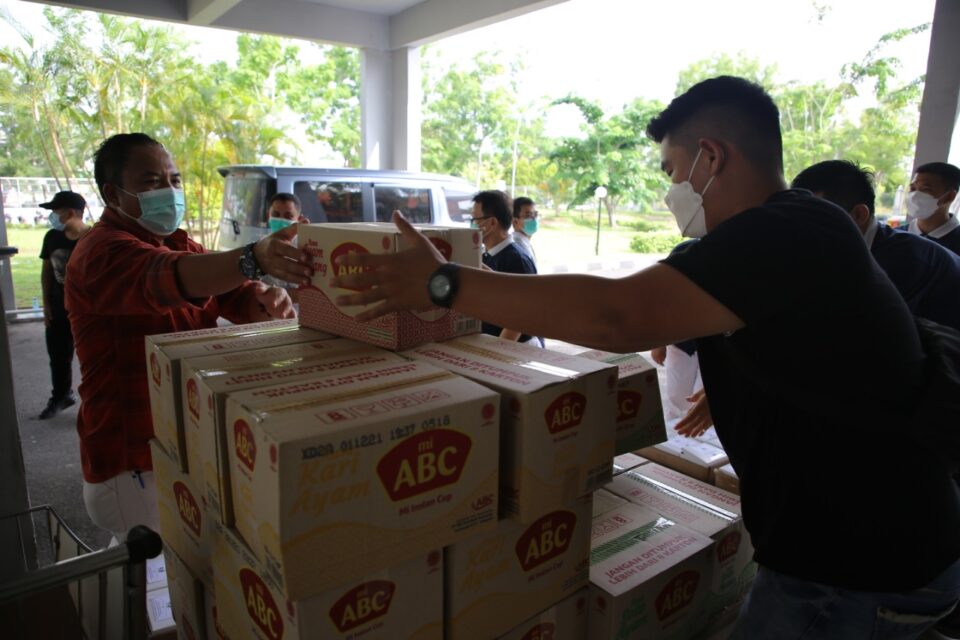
[
  {"x": 530, "y": 226},
  {"x": 279, "y": 223},
  {"x": 161, "y": 210},
  {"x": 55, "y": 221}
]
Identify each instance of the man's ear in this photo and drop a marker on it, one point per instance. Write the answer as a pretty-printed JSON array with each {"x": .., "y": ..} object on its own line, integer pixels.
[
  {"x": 947, "y": 198},
  {"x": 109, "y": 193},
  {"x": 861, "y": 215},
  {"x": 714, "y": 153}
]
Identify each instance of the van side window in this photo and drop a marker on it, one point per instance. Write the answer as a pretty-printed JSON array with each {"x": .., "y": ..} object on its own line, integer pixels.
[
  {"x": 330, "y": 201},
  {"x": 459, "y": 204},
  {"x": 414, "y": 204}
]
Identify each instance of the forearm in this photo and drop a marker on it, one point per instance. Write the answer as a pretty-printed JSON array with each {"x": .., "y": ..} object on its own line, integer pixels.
[{"x": 209, "y": 274}]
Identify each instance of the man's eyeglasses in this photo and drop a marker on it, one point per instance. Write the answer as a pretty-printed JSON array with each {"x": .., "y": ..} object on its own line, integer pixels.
[{"x": 475, "y": 222}]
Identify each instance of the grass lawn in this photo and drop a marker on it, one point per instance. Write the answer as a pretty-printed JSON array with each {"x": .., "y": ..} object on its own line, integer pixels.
[{"x": 25, "y": 266}]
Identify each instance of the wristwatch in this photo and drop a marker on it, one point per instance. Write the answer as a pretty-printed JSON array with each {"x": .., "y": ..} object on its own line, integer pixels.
[
  {"x": 249, "y": 267},
  {"x": 443, "y": 285}
]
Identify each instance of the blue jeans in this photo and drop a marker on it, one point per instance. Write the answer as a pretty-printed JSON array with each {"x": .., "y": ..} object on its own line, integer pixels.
[{"x": 779, "y": 606}]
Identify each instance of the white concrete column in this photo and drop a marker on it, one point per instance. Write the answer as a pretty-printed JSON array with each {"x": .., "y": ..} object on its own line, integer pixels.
[
  {"x": 941, "y": 92},
  {"x": 390, "y": 96}
]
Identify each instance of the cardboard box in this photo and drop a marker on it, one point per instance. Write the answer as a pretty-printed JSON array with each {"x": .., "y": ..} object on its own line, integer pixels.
[
  {"x": 496, "y": 580},
  {"x": 727, "y": 479},
  {"x": 208, "y": 380},
  {"x": 687, "y": 455},
  {"x": 403, "y": 601},
  {"x": 604, "y": 501},
  {"x": 649, "y": 577},
  {"x": 186, "y": 524},
  {"x": 557, "y": 430},
  {"x": 398, "y": 330},
  {"x": 626, "y": 462},
  {"x": 705, "y": 509},
  {"x": 347, "y": 473},
  {"x": 639, "y": 408},
  {"x": 187, "y": 600},
  {"x": 566, "y": 620},
  {"x": 165, "y": 351}
]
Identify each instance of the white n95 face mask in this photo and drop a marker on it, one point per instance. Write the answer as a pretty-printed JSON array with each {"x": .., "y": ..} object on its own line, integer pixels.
[
  {"x": 921, "y": 205},
  {"x": 686, "y": 205}
]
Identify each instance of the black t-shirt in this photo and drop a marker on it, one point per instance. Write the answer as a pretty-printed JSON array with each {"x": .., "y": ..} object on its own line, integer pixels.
[
  {"x": 510, "y": 259},
  {"x": 57, "y": 248},
  {"x": 811, "y": 399}
]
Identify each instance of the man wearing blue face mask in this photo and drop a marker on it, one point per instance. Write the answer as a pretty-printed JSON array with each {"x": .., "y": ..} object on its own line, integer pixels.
[
  {"x": 526, "y": 222},
  {"x": 136, "y": 273},
  {"x": 66, "y": 222}
]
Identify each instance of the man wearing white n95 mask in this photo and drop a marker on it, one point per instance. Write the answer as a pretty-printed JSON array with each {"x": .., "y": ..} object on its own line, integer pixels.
[
  {"x": 136, "y": 273},
  {"x": 787, "y": 307},
  {"x": 932, "y": 191}
]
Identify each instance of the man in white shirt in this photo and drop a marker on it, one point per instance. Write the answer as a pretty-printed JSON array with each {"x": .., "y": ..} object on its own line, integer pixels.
[
  {"x": 932, "y": 191},
  {"x": 526, "y": 221}
]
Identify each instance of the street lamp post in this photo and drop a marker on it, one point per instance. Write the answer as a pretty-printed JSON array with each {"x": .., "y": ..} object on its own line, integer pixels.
[{"x": 601, "y": 193}]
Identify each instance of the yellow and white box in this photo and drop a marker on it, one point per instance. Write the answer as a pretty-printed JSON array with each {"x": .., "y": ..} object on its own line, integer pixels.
[
  {"x": 166, "y": 351},
  {"x": 639, "y": 408},
  {"x": 497, "y": 580},
  {"x": 208, "y": 380},
  {"x": 689, "y": 456},
  {"x": 402, "y": 601},
  {"x": 649, "y": 577},
  {"x": 348, "y": 473},
  {"x": 705, "y": 509},
  {"x": 187, "y": 599},
  {"x": 186, "y": 524},
  {"x": 566, "y": 620},
  {"x": 398, "y": 330},
  {"x": 557, "y": 424}
]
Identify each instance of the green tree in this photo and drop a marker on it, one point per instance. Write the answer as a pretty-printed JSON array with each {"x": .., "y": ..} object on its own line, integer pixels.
[{"x": 614, "y": 152}]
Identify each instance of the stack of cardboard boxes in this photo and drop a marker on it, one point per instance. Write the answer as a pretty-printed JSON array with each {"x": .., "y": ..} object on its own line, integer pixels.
[{"x": 313, "y": 486}]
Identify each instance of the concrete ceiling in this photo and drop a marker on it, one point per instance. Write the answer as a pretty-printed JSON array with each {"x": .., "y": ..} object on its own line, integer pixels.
[{"x": 375, "y": 24}]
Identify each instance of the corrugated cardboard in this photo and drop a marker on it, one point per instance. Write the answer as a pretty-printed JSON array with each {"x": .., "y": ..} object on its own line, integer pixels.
[
  {"x": 566, "y": 620},
  {"x": 165, "y": 351},
  {"x": 604, "y": 501},
  {"x": 403, "y": 601},
  {"x": 639, "y": 409},
  {"x": 186, "y": 523},
  {"x": 496, "y": 580},
  {"x": 727, "y": 479},
  {"x": 398, "y": 330},
  {"x": 626, "y": 462},
  {"x": 558, "y": 411},
  {"x": 687, "y": 455},
  {"x": 347, "y": 473},
  {"x": 208, "y": 380},
  {"x": 705, "y": 509},
  {"x": 187, "y": 599},
  {"x": 649, "y": 577}
]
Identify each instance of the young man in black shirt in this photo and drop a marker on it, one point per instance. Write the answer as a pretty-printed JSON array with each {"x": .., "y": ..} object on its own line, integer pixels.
[
  {"x": 66, "y": 220},
  {"x": 933, "y": 189},
  {"x": 855, "y": 524}
]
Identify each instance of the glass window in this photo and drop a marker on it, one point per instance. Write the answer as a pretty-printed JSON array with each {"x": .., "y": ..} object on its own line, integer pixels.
[
  {"x": 245, "y": 199},
  {"x": 459, "y": 204},
  {"x": 413, "y": 203},
  {"x": 330, "y": 201}
]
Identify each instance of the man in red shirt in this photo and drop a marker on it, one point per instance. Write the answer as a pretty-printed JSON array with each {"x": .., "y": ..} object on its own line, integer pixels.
[{"x": 136, "y": 273}]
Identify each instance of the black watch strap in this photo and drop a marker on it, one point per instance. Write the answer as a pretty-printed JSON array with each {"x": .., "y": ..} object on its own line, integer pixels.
[
  {"x": 444, "y": 284},
  {"x": 249, "y": 267}
]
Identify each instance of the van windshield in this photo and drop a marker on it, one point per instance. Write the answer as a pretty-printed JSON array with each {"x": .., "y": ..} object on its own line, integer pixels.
[{"x": 245, "y": 199}]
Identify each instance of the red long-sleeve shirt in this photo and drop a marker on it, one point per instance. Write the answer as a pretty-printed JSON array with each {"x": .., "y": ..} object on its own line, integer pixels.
[{"x": 121, "y": 285}]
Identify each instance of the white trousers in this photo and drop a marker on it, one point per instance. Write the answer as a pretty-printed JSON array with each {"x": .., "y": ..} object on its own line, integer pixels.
[
  {"x": 682, "y": 380},
  {"x": 123, "y": 502}
]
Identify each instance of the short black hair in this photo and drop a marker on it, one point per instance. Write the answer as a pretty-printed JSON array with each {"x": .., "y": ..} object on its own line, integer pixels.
[
  {"x": 519, "y": 204},
  {"x": 496, "y": 204},
  {"x": 283, "y": 196},
  {"x": 112, "y": 155},
  {"x": 949, "y": 174},
  {"x": 728, "y": 108},
  {"x": 842, "y": 182}
]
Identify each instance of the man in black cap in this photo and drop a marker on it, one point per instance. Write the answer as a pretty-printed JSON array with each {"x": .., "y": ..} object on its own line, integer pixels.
[{"x": 66, "y": 222}]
